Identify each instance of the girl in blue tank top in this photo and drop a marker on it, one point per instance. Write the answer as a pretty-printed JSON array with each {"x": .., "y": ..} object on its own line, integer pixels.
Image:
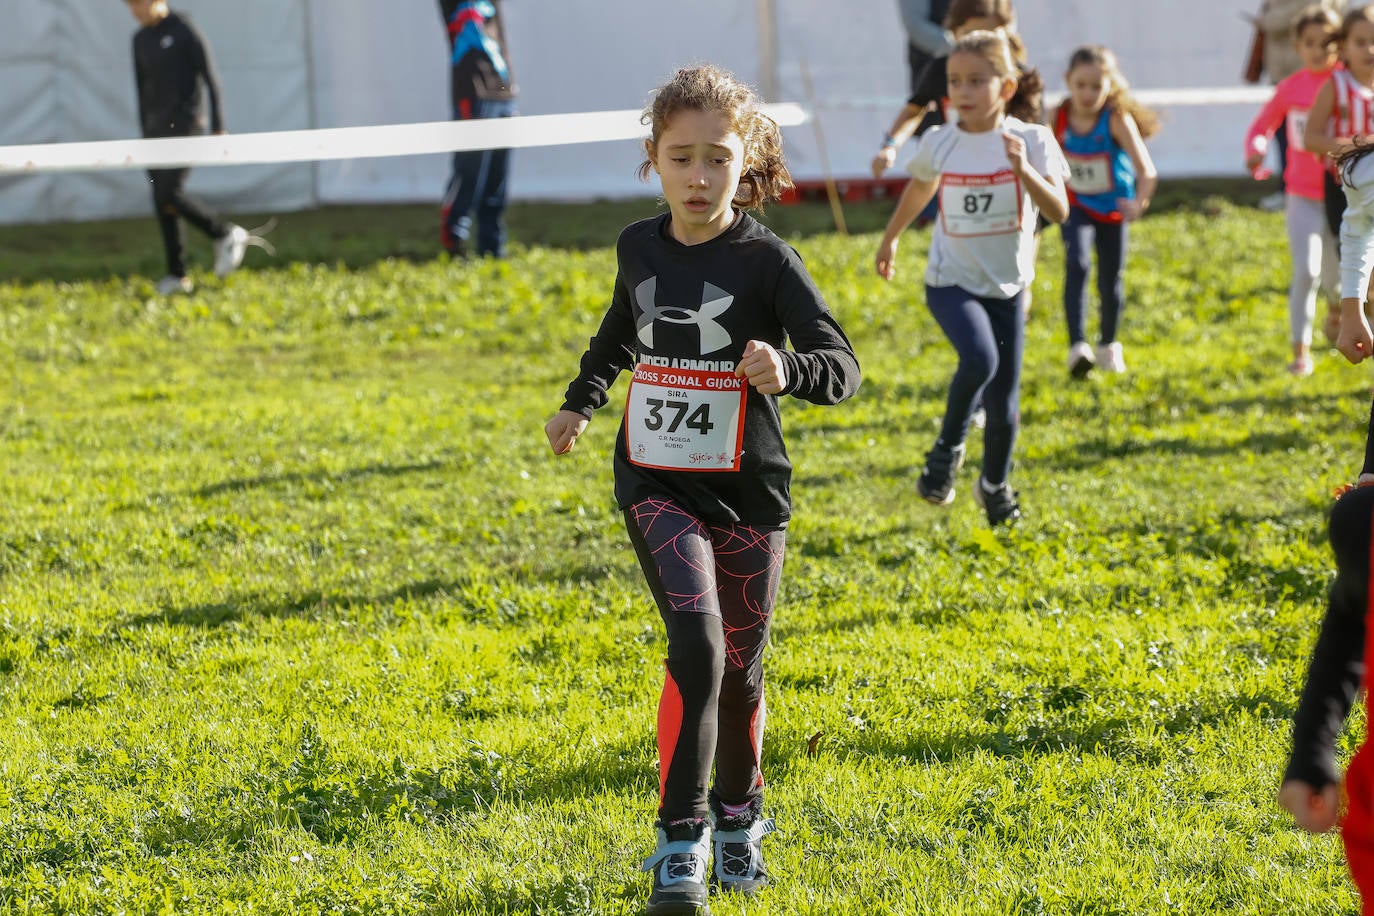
[{"x": 1102, "y": 130}]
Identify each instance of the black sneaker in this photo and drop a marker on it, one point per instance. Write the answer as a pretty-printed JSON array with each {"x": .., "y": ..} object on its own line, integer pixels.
[
  {"x": 936, "y": 483},
  {"x": 1000, "y": 505},
  {"x": 679, "y": 865},
  {"x": 739, "y": 857}
]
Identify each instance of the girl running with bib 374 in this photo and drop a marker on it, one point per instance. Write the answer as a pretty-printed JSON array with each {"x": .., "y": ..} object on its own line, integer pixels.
[
  {"x": 993, "y": 173},
  {"x": 705, "y": 298}
]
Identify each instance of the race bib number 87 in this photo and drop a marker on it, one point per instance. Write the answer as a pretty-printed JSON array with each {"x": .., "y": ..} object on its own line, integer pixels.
[
  {"x": 684, "y": 419},
  {"x": 980, "y": 204}
]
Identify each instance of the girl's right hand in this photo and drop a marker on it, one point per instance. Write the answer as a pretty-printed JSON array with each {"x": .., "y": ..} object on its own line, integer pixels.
[
  {"x": 886, "y": 260},
  {"x": 563, "y": 430},
  {"x": 1355, "y": 342},
  {"x": 1252, "y": 161},
  {"x": 885, "y": 159},
  {"x": 1315, "y": 811}
]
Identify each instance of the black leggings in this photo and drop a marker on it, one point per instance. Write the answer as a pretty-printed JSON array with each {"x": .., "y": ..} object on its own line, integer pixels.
[
  {"x": 715, "y": 586},
  {"x": 172, "y": 203},
  {"x": 1333, "y": 198}
]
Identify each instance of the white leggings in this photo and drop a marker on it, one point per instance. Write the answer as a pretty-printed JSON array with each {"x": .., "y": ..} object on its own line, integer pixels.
[{"x": 1315, "y": 262}]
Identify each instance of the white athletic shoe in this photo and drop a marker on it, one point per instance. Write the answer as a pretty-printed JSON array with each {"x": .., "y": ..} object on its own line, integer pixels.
[
  {"x": 1109, "y": 357},
  {"x": 1081, "y": 360},
  {"x": 171, "y": 284},
  {"x": 229, "y": 249}
]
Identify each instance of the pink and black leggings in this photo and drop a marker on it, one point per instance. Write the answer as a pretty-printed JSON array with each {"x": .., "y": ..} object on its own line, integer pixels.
[{"x": 715, "y": 586}]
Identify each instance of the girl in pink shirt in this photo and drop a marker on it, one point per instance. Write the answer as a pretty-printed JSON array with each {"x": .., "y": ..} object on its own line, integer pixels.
[{"x": 1310, "y": 243}]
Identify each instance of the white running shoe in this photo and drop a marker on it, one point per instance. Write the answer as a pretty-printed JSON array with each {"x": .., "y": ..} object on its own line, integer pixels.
[
  {"x": 229, "y": 249},
  {"x": 171, "y": 284},
  {"x": 1301, "y": 366},
  {"x": 1081, "y": 360},
  {"x": 1110, "y": 358}
]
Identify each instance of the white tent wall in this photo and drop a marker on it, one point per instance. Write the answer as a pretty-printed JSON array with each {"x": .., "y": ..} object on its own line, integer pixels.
[
  {"x": 67, "y": 69},
  {"x": 858, "y": 67},
  {"x": 288, "y": 64},
  {"x": 565, "y": 59}
]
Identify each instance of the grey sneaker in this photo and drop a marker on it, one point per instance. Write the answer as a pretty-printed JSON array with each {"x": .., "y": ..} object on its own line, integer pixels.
[
  {"x": 1000, "y": 504},
  {"x": 171, "y": 284},
  {"x": 679, "y": 865},
  {"x": 936, "y": 483},
  {"x": 739, "y": 857}
]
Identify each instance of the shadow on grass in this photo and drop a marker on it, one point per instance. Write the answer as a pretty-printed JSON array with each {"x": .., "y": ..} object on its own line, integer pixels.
[
  {"x": 313, "y": 604},
  {"x": 239, "y": 484},
  {"x": 1057, "y": 720},
  {"x": 358, "y": 237},
  {"x": 1092, "y": 451}
]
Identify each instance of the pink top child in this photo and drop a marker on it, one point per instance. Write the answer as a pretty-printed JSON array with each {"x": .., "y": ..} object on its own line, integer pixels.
[{"x": 1292, "y": 97}]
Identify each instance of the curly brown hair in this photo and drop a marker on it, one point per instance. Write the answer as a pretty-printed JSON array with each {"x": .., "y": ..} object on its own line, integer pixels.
[{"x": 706, "y": 87}]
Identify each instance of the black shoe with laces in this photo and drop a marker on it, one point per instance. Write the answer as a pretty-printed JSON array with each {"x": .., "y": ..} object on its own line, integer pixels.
[
  {"x": 679, "y": 865},
  {"x": 1000, "y": 504},
  {"x": 738, "y": 843},
  {"x": 936, "y": 483}
]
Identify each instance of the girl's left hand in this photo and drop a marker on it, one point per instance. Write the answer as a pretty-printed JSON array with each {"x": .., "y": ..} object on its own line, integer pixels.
[
  {"x": 1130, "y": 208},
  {"x": 1355, "y": 341},
  {"x": 1016, "y": 153},
  {"x": 763, "y": 367},
  {"x": 1316, "y": 811}
]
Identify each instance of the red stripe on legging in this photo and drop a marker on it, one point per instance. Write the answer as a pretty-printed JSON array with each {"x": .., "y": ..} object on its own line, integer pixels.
[
  {"x": 669, "y": 728},
  {"x": 756, "y": 725}
]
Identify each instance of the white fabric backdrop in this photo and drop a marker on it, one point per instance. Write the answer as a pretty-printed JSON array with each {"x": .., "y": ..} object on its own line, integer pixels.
[{"x": 290, "y": 64}]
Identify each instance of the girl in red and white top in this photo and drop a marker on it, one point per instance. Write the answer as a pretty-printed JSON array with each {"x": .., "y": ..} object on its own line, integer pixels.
[
  {"x": 1343, "y": 109},
  {"x": 1311, "y": 244},
  {"x": 993, "y": 173}
]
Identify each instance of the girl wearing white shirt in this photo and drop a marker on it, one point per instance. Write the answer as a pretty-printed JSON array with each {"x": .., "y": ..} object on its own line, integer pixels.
[{"x": 993, "y": 174}]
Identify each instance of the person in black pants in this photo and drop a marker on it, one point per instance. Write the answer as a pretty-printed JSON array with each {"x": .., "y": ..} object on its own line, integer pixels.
[
  {"x": 175, "y": 76},
  {"x": 482, "y": 86}
]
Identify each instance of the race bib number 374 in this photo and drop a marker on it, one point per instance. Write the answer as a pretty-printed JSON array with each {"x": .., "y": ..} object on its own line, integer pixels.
[{"x": 684, "y": 419}]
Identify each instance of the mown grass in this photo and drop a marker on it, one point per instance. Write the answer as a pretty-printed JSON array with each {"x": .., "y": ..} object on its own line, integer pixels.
[{"x": 297, "y": 615}]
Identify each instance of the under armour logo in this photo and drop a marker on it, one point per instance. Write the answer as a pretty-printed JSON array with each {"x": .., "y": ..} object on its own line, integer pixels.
[
  {"x": 167, "y": 42},
  {"x": 714, "y": 303}
]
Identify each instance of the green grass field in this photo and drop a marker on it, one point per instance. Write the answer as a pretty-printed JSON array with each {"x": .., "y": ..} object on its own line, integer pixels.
[{"x": 298, "y": 615}]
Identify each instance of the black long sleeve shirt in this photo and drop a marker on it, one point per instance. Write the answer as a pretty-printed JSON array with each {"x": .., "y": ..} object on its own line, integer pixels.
[
  {"x": 1337, "y": 667},
  {"x": 175, "y": 76},
  {"x": 669, "y": 311}
]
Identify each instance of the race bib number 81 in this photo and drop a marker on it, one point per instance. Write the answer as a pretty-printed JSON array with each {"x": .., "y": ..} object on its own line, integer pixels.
[{"x": 684, "y": 419}]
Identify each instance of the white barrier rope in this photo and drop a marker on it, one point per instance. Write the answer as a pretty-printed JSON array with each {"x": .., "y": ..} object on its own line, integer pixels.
[
  {"x": 341, "y": 142},
  {"x": 1161, "y": 98}
]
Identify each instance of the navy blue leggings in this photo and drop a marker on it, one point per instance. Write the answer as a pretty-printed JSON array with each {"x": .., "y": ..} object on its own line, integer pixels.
[
  {"x": 478, "y": 184},
  {"x": 1083, "y": 235},
  {"x": 987, "y": 334}
]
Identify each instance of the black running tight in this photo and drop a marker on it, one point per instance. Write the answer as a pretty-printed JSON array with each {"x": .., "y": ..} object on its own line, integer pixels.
[{"x": 715, "y": 587}]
